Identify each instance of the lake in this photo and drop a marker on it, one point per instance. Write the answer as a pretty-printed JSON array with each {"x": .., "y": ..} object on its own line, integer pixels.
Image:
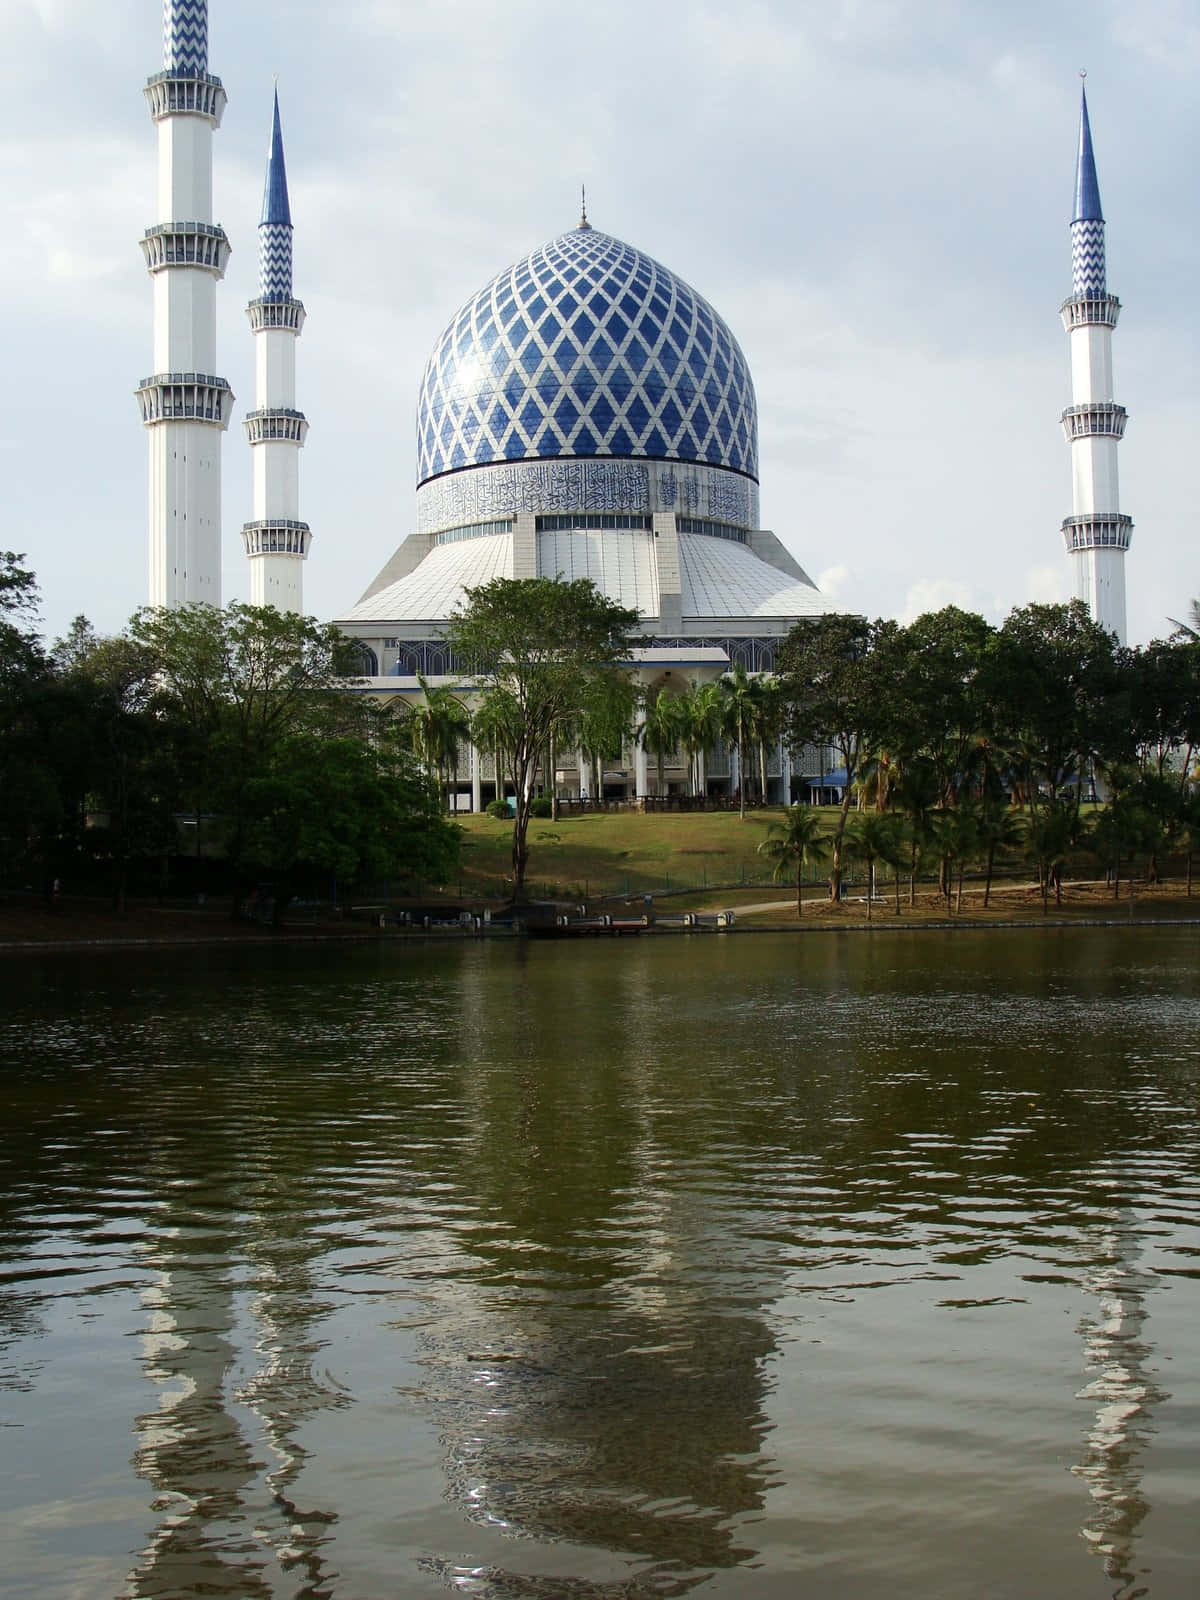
[{"x": 751, "y": 1265}]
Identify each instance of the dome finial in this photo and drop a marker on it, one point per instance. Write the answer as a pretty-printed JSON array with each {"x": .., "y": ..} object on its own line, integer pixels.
[{"x": 583, "y": 221}]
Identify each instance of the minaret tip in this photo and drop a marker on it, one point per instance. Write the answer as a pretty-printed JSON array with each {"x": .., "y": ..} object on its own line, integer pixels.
[
  {"x": 1087, "y": 187},
  {"x": 583, "y": 218},
  {"x": 276, "y": 207}
]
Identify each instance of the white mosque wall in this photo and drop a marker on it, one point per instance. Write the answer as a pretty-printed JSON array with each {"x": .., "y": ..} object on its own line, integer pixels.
[{"x": 479, "y": 494}]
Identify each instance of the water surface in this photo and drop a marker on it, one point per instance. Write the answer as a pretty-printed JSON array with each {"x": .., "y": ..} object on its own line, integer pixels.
[{"x": 753, "y": 1266}]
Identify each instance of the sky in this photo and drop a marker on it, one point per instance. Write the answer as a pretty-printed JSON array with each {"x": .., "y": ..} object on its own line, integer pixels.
[{"x": 874, "y": 194}]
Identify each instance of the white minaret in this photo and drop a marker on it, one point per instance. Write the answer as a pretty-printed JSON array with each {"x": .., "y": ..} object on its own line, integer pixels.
[
  {"x": 184, "y": 407},
  {"x": 1097, "y": 535},
  {"x": 276, "y": 541}
]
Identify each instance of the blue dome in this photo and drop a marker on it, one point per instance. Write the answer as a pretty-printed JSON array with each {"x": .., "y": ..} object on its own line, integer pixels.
[{"x": 586, "y": 348}]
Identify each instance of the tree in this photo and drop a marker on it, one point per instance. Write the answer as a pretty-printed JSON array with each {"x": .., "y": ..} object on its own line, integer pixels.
[
  {"x": 30, "y": 800},
  {"x": 701, "y": 726},
  {"x": 833, "y": 698},
  {"x": 127, "y": 771},
  {"x": 1165, "y": 707},
  {"x": 660, "y": 729},
  {"x": 437, "y": 726},
  {"x": 739, "y": 698},
  {"x": 546, "y": 644},
  {"x": 242, "y": 679},
  {"x": 1191, "y": 628},
  {"x": 347, "y": 806},
  {"x": 998, "y": 830},
  {"x": 794, "y": 842},
  {"x": 1051, "y": 833},
  {"x": 1060, "y": 686},
  {"x": 606, "y": 716},
  {"x": 494, "y": 728},
  {"x": 766, "y": 724},
  {"x": 936, "y": 701},
  {"x": 917, "y": 791},
  {"x": 875, "y": 838}
]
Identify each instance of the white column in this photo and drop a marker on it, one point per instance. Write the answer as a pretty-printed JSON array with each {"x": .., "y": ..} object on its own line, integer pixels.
[
  {"x": 640, "y": 772},
  {"x": 476, "y": 784}
]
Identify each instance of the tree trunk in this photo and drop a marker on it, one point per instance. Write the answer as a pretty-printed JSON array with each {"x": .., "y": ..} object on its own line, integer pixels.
[
  {"x": 987, "y": 886},
  {"x": 741, "y": 776},
  {"x": 800, "y": 887},
  {"x": 835, "y": 870},
  {"x": 552, "y": 776}
]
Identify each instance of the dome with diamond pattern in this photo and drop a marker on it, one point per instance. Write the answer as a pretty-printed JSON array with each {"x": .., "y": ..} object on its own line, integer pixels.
[{"x": 586, "y": 349}]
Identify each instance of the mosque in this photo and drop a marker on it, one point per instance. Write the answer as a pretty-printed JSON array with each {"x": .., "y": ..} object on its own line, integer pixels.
[{"x": 586, "y": 414}]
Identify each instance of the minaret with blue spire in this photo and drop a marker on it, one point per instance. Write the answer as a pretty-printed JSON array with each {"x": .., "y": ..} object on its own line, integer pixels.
[
  {"x": 184, "y": 406},
  {"x": 277, "y": 542},
  {"x": 1097, "y": 534}
]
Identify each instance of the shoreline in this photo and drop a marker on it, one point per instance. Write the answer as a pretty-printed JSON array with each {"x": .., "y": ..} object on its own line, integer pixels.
[{"x": 288, "y": 937}]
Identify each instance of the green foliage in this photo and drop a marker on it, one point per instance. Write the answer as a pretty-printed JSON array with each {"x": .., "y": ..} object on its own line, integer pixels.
[
  {"x": 548, "y": 647},
  {"x": 499, "y": 809},
  {"x": 793, "y": 844},
  {"x": 346, "y": 806},
  {"x": 541, "y": 806}
]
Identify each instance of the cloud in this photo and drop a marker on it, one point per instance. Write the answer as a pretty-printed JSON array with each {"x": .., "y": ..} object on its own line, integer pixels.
[{"x": 934, "y": 594}]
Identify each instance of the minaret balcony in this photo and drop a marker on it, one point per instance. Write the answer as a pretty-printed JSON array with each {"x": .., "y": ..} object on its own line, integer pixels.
[
  {"x": 287, "y": 314},
  {"x": 267, "y": 425},
  {"x": 1090, "y": 311},
  {"x": 186, "y": 244},
  {"x": 1101, "y": 531},
  {"x": 185, "y": 396},
  {"x": 1102, "y": 419},
  {"x": 277, "y": 537},
  {"x": 173, "y": 94}
]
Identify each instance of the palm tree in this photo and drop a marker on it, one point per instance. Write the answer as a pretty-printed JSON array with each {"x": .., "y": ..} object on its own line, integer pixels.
[
  {"x": 917, "y": 794},
  {"x": 873, "y": 838},
  {"x": 1050, "y": 835},
  {"x": 998, "y": 830},
  {"x": 766, "y": 724},
  {"x": 1191, "y": 628},
  {"x": 604, "y": 723},
  {"x": 739, "y": 693},
  {"x": 701, "y": 726},
  {"x": 956, "y": 837},
  {"x": 439, "y": 725},
  {"x": 494, "y": 728},
  {"x": 661, "y": 725},
  {"x": 794, "y": 842}
]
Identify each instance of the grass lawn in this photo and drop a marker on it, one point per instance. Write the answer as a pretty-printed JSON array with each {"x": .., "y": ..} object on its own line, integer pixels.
[
  {"x": 709, "y": 860},
  {"x": 618, "y": 853}
]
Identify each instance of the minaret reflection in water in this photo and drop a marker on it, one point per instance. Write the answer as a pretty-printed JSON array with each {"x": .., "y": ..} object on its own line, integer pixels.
[
  {"x": 599, "y": 1379},
  {"x": 219, "y": 1533},
  {"x": 1124, "y": 1394}
]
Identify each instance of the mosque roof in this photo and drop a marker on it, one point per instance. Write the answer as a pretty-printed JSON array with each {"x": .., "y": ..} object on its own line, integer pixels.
[
  {"x": 1087, "y": 186},
  {"x": 721, "y": 581},
  {"x": 275, "y": 207},
  {"x": 586, "y": 348}
]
